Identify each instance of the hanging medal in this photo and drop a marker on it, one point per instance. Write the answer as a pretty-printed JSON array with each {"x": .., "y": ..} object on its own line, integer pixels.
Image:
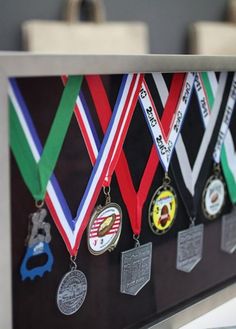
[
  {"x": 70, "y": 300},
  {"x": 214, "y": 193},
  {"x": 104, "y": 114},
  {"x": 163, "y": 206},
  {"x": 213, "y": 197},
  {"x": 136, "y": 262},
  {"x": 190, "y": 181},
  {"x": 36, "y": 171},
  {"x": 226, "y": 150},
  {"x": 228, "y": 231},
  {"x": 38, "y": 240},
  {"x": 72, "y": 290},
  {"x": 105, "y": 225},
  {"x": 106, "y": 221}
]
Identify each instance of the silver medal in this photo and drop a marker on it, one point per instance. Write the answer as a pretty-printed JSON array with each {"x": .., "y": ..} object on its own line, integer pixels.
[
  {"x": 189, "y": 248},
  {"x": 228, "y": 232},
  {"x": 135, "y": 268},
  {"x": 104, "y": 228},
  {"x": 71, "y": 292}
]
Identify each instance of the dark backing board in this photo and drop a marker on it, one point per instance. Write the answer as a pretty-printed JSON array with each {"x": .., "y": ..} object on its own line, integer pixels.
[{"x": 34, "y": 302}]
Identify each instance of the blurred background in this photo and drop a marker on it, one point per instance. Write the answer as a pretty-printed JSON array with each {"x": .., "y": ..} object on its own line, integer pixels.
[{"x": 169, "y": 22}]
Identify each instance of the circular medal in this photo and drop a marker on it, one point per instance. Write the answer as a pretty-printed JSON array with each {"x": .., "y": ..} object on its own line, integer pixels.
[
  {"x": 162, "y": 209},
  {"x": 104, "y": 228},
  {"x": 213, "y": 197},
  {"x": 71, "y": 292}
]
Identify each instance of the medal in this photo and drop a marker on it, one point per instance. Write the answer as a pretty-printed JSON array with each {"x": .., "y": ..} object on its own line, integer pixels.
[
  {"x": 105, "y": 227},
  {"x": 190, "y": 179},
  {"x": 72, "y": 291},
  {"x": 214, "y": 193},
  {"x": 213, "y": 198},
  {"x": 37, "y": 165},
  {"x": 135, "y": 268},
  {"x": 189, "y": 247},
  {"x": 228, "y": 232},
  {"x": 37, "y": 244},
  {"x": 163, "y": 208}
]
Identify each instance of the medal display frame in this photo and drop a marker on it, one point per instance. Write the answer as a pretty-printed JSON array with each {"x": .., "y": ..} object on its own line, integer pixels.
[{"x": 23, "y": 65}]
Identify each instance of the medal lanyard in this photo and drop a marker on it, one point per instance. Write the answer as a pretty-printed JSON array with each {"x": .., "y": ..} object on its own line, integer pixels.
[
  {"x": 37, "y": 172},
  {"x": 229, "y": 108},
  {"x": 165, "y": 144},
  {"x": 72, "y": 229},
  {"x": 224, "y": 149},
  {"x": 128, "y": 192},
  {"x": 191, "y": 180}
]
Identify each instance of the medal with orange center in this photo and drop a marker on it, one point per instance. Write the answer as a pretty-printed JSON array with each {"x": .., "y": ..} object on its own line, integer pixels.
[
  {"x": 163, "y": 208},
  {"x": 105, "y": 226},
  {"x": 213, "y": 197}
]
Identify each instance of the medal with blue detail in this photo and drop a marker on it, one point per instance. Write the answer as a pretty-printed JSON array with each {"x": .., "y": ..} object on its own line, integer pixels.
[{"x": 37, "y": 245}]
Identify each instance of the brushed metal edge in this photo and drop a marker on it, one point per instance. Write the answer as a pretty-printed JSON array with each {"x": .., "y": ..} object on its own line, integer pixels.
[
  {"x": 22, "y": 64},
  {"x": 5, "y": 231}
]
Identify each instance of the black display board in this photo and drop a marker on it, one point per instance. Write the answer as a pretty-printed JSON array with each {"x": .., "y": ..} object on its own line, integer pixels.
[{"x": 34, "y": 302}]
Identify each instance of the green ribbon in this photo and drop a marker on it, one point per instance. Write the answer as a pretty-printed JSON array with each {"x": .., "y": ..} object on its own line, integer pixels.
[
  {"x": 207, "y": 85},
  {"x": 229, "y": 177},
  {"x": 37, "y": 174}
]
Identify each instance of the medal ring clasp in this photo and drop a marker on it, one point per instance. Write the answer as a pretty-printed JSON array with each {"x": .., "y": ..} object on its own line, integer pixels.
[
  {"x": 39, "y": 203},
  {"x": 216, "y": 168},
  {"x": 166, "y": 179},
  {"x": 136, "y": 239},
  {"x": 192, "y": 221},
  {"x": 106, "y": 191},
  {"x": 73, "y": 265}
]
